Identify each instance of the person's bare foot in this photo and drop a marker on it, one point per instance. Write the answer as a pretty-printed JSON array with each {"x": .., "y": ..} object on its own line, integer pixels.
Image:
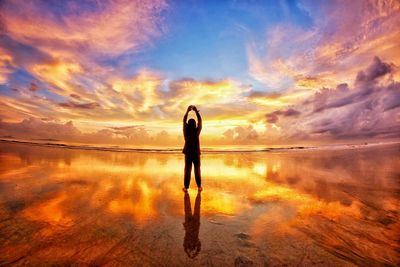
[
  {"x": 184, "y": 189},
  {"x": 200, "y": 188}
]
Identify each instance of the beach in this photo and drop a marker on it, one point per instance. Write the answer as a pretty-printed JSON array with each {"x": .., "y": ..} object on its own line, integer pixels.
[{"x": 325, "y": 207}]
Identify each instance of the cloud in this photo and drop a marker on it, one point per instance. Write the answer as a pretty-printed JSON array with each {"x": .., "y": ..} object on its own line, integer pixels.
[
  {"x": 132, "y": 132},
  {"x": 373, "y": 72},
  {"x": 75, "y": 96},
  {"x": 144, "y": 97},
  {"x": 306, "y": 82},
  {"x": 392, "y": 99},
  {"x": 241, "y": 135},
  {"x": 216, "y": 99},
  {"x": 33, "y": 129},
  {"x": 265, "y": 95},
  {"x": 185, "y": 90},
  {"x": 21, "y": 54},
  {"x": 72, "y": 104},
  {"x": 330, "y": 50},
  {"x": 140, "y": 93},
  {"x": 273, "y": 117},
  {"x": 106, "y": 28},
  {"x": 6, "y": 66},
  {"x": 84, "y": 62},
  {"x": 368, "y": 110},
  {"x": 33, "y": 87},
  {"x": 65, "y": 48}
]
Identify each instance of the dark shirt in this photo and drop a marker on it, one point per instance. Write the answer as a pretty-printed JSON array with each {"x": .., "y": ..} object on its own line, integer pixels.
[{"x": 192, "y": 142}]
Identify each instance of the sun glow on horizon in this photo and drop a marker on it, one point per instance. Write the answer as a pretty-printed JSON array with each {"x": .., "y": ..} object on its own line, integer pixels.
[{"x": 274, "y": 73}]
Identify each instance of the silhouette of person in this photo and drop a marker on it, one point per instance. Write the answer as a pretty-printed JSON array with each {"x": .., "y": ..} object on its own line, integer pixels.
[
  {"x": 191, "y": 242},
  {"x": 192, "y": 148}
]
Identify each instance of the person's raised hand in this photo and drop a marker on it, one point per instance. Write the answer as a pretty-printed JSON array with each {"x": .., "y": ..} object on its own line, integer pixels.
[
  {"x": 194, "y": 108},
  {"x": 189, "y": 108}
]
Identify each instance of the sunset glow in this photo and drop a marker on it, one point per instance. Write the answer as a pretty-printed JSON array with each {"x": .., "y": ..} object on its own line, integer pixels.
[{"x": 261, "y": 73}]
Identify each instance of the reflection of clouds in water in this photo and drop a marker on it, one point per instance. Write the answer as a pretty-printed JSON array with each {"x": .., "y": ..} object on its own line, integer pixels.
[
  {"x": 299, "y": 171},
  {"x": 50, "y": 211},
  {"x": 293, "y": 193}
]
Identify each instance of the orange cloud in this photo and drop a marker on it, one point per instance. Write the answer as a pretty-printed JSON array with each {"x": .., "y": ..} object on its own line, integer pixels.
[
  {"x": 58, "y": 74},
  {"x": 186, "y": 91},
  {"x": 5, "y": 65},
  {"x": 141, "y": 93},
  {"x": 107, "y": 28},
  {"x": 61, "y": 51}
]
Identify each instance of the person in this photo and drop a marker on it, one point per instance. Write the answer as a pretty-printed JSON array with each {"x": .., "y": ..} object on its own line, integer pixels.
[
  {"x": 191, "y": 241},
  {"x": 192, "y": 148}
]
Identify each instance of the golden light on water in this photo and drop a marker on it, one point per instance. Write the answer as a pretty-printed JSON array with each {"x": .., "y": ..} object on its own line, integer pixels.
[{"x": 261, "y": 204}]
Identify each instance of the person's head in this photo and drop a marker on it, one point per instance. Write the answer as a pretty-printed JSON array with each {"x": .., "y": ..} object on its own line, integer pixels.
[
  {"x": 192, "y": 124},
  {"x": 192, "y": 247}
]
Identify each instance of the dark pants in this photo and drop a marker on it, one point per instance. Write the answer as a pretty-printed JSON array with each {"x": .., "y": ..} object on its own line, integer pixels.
[{"x": 195, "y": 159}]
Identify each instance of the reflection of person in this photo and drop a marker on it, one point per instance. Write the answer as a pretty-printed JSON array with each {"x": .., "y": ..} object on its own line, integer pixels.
[
  {"x": 191, "y": 242},
  {"x": 192, "y": 148}
]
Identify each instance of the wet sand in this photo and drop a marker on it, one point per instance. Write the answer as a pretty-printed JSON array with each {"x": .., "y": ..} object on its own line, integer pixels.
[{"x": 322, "y": 207}]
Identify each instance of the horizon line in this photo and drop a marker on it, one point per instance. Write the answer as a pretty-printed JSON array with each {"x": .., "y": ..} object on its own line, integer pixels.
[{"x": 205, "y": 150}]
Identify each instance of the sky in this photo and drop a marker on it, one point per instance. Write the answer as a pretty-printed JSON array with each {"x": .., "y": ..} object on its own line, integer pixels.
[{"x": 260, "y": 72}]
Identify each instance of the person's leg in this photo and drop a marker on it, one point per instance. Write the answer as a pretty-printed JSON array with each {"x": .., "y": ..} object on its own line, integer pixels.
[
  {"x": 197, "y": 171},
  {"x": 188, "y": 170}
]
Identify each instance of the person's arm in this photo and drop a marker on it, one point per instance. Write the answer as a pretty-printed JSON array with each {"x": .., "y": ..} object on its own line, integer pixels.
[
  {"x": 185, "y": 119},
  {"x": 199, "y": 120}
]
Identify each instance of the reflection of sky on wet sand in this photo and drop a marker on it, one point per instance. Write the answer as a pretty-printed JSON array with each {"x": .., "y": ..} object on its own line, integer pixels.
[{"x": 88, "y": 207}]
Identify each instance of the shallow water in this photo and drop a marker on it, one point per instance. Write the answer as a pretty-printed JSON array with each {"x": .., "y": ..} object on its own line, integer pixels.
[{"x": 328, "y": 208}]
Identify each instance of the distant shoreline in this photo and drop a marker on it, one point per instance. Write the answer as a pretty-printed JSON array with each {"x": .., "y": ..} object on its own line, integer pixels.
[{"x": 205, "y": 150}]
